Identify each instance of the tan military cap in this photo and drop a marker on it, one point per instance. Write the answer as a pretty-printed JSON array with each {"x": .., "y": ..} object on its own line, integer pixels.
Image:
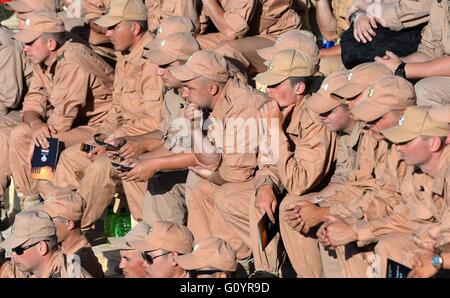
[
  {"x": 30, "y": 225},
  {"x": 415, "y": 122},
  {"x": 38, "y": 23},
  {"x": 67, "y": 204},
  {"x": 204, "y": 63},
  {"x": 300, "y": 40},
  {"x": 388, "y": 94},
  {"x": 361, "y": 77},
  {"x": 166, "y": 235},
  {"x": 210, "y": 253},
  {"x": 440, "y": 114},
  {"x": 285, "y": 64},
  {"x": 123, "y": 10},
  {"x": 27, "y": 6},
  {"x": 177, "y": 46},
  {"x": 322, "y": 101},
  {"x": 138, "y": 233}
]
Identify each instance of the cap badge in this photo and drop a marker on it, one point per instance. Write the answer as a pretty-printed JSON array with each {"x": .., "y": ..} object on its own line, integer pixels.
[
  {"x": 270, "y": 65},
  {"x": 349, "y": 76},
  {"x": 27, "y": 22},
  {"x": 160, "y": 30},
  {"x": 325, "y": 87},
  {"x": 162, "y": 43},
  {"x": 189, "y": 59},
  {"x": 401, "y": 121},
  {"x": 370, "y": 93},
  {"x": 196, "y": 247},
  {"x": 13, "y": 229}
]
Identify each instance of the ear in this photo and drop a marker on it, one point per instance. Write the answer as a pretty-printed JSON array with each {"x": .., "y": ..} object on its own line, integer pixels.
[
  {"x": 172, "y": 256},
  {"x": 43, "y": 248},
  {"x": 136, "y": 29},
  {"x": 51, "y": 44},
  {"x": 436, "y": 144},
  {"x": 222, "y": 275},
  {"x": 300, "y": 88},
  {"x": 70, "y": 224},
  {"x": 213, "y": 89}
]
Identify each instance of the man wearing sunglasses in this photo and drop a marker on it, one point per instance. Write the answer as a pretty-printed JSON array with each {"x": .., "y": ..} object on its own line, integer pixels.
[
  {"x": 35, "y": 249},
  {"x": 163, "y": 242},
  {"x": 131, "y": 260},
  {"x": 65, "y": 209},
  {"x": 211, "y": 258}
]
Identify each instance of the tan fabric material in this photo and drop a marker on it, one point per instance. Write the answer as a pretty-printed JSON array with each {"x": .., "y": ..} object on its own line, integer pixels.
[{"x": 158, "y": 11}]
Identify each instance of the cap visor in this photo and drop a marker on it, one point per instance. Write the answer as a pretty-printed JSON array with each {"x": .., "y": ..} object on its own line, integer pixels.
[
  {"x": 120, "y": 243},
  {"x": 398, "y": 134},
  {"x": 350, "y": 90},
  {"x": 190, "y": 262},
  {"x": 27, "y": 36},
  {"x": 269, "y": 79},
  {"x": 13, "y": 242},
  {"x": 47, "y": 210},
  {"x": 266, "y": 53},
  {"x": 321, "y": 104},
  {"x": 183, "y": 73},
  {"x": 368, "y": 112},
  {"x": 159, "y": 57},
  {"x": 108, "y": 21},
  {"x": 142, "y": 245}
]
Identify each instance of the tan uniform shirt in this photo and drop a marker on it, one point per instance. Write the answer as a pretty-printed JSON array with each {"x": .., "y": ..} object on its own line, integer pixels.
[
  {"x": 401, "y": 14},
  {"x": 158, "y": 10},
  {"x": 236, "y": 112},
  {"x": 340, "y": 9},
  {"x": 375, "y": 188},
  {"x": 87, "y": 257},
  {"x": 59, "y": 267},
  {"x": 346, "y": 154},
  {"x": 424, "y": 212},
  {"x": 436, "y": 35},
  {"x": 75, "y": 90},
  {"x": 10, "y": 270},
  {"x": 14, "y": 69},
  {"x": 137, "y": 99},
  {"x": 306, "y": 153},
  {"x": 251, "y": 17},
  {"x": 176, "y": 133}
]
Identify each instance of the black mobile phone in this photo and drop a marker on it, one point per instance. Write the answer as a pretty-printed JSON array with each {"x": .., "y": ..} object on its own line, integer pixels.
[
  {"x": 100, "y": 142},
  {"x": 86, "y": 148},
  {"x": 120, "y": 167}
]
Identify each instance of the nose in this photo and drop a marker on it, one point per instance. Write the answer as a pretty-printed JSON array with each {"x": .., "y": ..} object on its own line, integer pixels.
[
  {"x": 109, "y": 33},
  {"x": 160, "y": 71},
  {"x": 26, "y": 48}
]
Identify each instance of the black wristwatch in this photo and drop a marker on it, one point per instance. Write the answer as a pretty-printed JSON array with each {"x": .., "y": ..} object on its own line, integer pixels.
[{"x": 400, "y": 71}]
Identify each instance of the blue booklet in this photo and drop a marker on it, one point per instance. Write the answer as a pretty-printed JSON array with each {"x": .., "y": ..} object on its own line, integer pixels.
[{"x": 43, "y": 162}]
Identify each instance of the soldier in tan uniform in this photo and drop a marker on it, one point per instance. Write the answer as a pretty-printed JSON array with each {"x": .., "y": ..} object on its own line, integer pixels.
[
  {"x": 297, "y": 169},
  {"x": 35, "y": 249},
  {"x": 247, "y": 25},
  {"x": 175, "y": 153},
  {"x": 430, "y": 62},
  {"x": 421, "y": 220},
  {"x": 68, "y": 98},
  {"x": 161, "y": 245},
  {"x": 65, "y": 210},
  {"x": 137, "y": 110},
  {"x": 131, "y": 260},
  {"x": 211, "y": 258},
  {"x": 227, "y": 166}
]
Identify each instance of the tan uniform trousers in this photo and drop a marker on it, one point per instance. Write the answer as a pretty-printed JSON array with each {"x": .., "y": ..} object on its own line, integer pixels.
[
  {"x": 308, "y": 258},
  {"x": 433, "y": 91},
  {"x": 205, "y": 220},
  {"x": 247, "y": 46},
  {"x": 329, "y": 65},
  {"x": 95, "y": 182},
  {"x": 19, "y": 150},
  {"x": 354, "y": 261},
  {"x": 7, "y": 123}
]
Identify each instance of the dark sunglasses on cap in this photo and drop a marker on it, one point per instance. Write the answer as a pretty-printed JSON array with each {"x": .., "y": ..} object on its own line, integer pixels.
[
  {"x": 196, "y": 273},
  {"x": 149, "y": 258}
]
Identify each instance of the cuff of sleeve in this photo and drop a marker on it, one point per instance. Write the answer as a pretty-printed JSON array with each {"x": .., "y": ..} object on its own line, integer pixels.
[
  {"x": 213, "y": 167},
  {"x": 364, "y": 232}
]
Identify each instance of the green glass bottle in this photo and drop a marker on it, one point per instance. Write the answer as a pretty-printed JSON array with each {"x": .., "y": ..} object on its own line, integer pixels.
[
  {"x": 122, "y": 224},
  {"x": 109, "y": 223}
]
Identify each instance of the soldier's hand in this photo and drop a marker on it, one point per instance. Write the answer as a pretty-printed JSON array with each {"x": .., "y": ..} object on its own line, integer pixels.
[
  {"x": 390, "y": 60},
  {"x": 142, "y": 170},
  {"x": 41, "y": 132},
  {"x": 311, "y": 214},
  {"x": 292, "y": 216},
  {"x": 266, "y": 202},
  {"x": 132, "y": 147},
  {"x": 363, "y": 28},
  {"x": 96, "y": 151},
  {"x": 338, "y": 232},
  {"x": 422, "y": 267}
]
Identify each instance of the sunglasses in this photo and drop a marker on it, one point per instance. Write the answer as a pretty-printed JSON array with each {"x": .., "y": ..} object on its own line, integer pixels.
[
  {"x": 21, "y": 249},
  {"x": 149, "y": 258},
  {"x": 195, "y": 273}
]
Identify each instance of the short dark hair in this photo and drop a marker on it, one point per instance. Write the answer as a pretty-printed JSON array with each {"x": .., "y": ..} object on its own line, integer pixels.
[
  {"x": 306, "y": 80},
  {"x": 60, "y": 37},
  {"x": 142, "y": 24}
]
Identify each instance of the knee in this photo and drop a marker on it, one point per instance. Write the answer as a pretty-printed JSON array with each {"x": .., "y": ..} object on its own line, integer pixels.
[{"x": 18, "y": 133}]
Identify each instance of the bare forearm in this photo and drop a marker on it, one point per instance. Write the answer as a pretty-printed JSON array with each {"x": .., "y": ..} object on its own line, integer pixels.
[
  {"x": 177, "y": 161},
  {"x": 31, "y": 118},
  {"x": 330, "y": 52},
  {"x": 437, "y": 67},
  {"x": 205, "y": 152},
  {"x": 416, "y": 57},
  {"x": 216, "y": 14},
  {"x": 326, "y": 20}
]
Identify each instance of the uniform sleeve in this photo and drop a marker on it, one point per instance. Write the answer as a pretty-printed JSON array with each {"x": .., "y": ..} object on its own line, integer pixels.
[
  {"x": 268, "y": 175},
  {"x": 69, "y": 95},
  {"x": 403, "y": 14},
  {"x": 307, "y": 166},
  {"x": 429, "y": 45},
  {"x": 237, "y": 14},
  {"x": 37, "y": 97},
  {"x": 11, "y": 77},
  {"x": 342, "y": 169}
]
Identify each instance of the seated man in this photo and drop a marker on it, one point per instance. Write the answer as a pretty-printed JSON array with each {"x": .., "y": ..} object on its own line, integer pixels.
[
  {"x": 69, "y": 97},
  {"x": 211, "y": 258},
  {"x": 137, "y": 110},
  {"x": 65, "y": 210},
  {"x": 161, "y": 245},
  {"x": 131, "y": 260},
  {"x": 430, "y": 64},
  {"x": 421, "y": 219},
  {"x": 35, "y": 249}
]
